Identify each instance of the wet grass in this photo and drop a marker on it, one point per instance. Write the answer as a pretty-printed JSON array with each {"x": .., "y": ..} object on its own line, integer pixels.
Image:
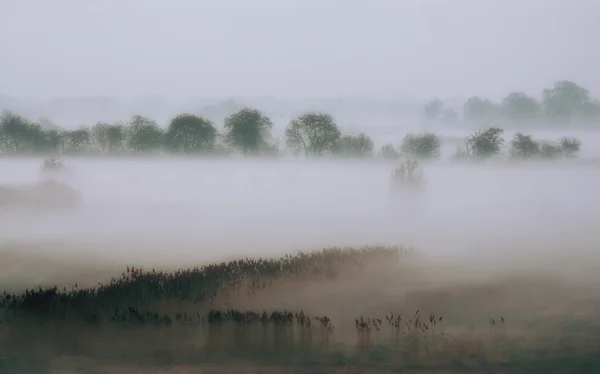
[{"x": 230, "y": 314}]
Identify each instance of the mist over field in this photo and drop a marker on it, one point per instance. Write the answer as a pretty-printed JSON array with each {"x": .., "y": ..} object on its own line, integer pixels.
[{"x": 189, "y": 211}]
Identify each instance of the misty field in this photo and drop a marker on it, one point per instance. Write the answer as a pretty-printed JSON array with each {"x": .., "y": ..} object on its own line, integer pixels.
[{"x": 497, "y": 271}]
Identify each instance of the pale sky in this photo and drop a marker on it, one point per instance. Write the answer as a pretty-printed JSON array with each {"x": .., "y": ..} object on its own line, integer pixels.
[{"x": 184, "y": 49}]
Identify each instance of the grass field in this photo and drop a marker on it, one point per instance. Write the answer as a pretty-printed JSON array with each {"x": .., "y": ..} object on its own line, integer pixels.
[{"x": 365, "y": 310}]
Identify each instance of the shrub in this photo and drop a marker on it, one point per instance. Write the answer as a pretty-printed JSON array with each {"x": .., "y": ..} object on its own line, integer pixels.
[
  {"x": 52, "y": 164},
  {"x": 421, "y": 146},
  {"x": 484, "y": 144},
  {"x": 523, "y": 146},
  {"x": 570, "y": 146},
  {"x": 408, "y": 176}
]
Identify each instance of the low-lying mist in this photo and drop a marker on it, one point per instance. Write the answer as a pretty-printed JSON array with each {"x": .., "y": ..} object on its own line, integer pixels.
[{"x": 182, "y": 212}]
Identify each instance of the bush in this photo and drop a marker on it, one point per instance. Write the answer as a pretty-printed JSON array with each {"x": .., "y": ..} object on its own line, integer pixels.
[
  {"x": 408, "y": 177},
  {"x": 354, "y": 146},
  {"x": 484, "y": 144},
  {"x": 570, "y": 146},
  {"x": 523, "y": 146},
  {"x": 421, "y": 146},
  {"x": 52, "y": 164}
]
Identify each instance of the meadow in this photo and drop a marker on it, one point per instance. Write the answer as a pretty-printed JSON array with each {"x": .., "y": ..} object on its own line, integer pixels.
[{"x": 177, "y": 265}]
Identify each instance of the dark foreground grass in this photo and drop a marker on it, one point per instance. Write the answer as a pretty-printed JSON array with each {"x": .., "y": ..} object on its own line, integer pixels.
[{"x": 262, "y": 315}]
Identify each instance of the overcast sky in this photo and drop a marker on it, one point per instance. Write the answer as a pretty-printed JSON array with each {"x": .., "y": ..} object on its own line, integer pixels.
[{"x": 185, "y": 49}]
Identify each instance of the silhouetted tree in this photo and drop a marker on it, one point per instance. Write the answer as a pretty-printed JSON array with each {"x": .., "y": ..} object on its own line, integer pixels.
[
  {"x": 110, "y": 137},
  {"x": 484, "y": 144},
  {"x": 75, "y": 140},
  {"x": 421, "y": 146},
  {"x": 247, "y": 130},
  {"x": 433, "y": 109},
  {"x": 477, "y": 109},
  {"x": 143, "y": 135},
  {"x": 523, "y": 146},
  {"x": 570, "y": 146},
  {"x": 565, "y": 101},
  {"x": 312, "y": 133},
  {"x": 189, "y": 133},
  {"x": 517, "y": 106},
  {"x": 354, "y": 146}
]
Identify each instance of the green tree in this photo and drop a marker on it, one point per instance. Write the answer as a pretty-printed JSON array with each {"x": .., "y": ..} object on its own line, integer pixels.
[
  {"x": 517, "y": 106},
  {"x": 75, "y": 140},
  {"x": 478, "y": 109},
  {"x": 16, "y": 133},
  {"x": 354, "y": 146},
  {"x": 143, "y": 135},
  {"x": 484, "y": 144},
  {"x": 550, "y": 151},
  {"x": 421, "y": 146},
  {"x": 570, "y": 146},
  {"x": 110, "y": 137},
  {"x": 189, "y": 133},
  {"x": 247, "y": 130},
  {"x": 524, "y": 146},
  {"x": 312, "y": 133},
  {"x": 565, "y": 101},
  {"x": 450, "y": 116},
  {"x": 433, "y": 109}
]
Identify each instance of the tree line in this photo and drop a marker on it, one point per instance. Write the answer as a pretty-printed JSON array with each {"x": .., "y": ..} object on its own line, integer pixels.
[
  {"x": 564, "y": 103},
  {"x": 248, "y": 132}
]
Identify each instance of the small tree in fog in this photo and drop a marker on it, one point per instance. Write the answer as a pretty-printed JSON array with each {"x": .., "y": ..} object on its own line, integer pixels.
[
  {"x": 408, "y": 177},
  {"x": 189, "y": 133},
  {"x": 570, "y": 146},
  {"x": 421, "y": 146},
  {"x": 144, "y": 135},
  {"x": 313, "y": 133},
  {"x": 484, "y": 144},
  {"x": 110, "y": 137},
  {"x": 354, "y": 146},
  {"x": 523, "y": 146},
  {"x": 550, "y": 151},
  {"x": 247, "y": 130},
  {"x": 388, "y": 152}
]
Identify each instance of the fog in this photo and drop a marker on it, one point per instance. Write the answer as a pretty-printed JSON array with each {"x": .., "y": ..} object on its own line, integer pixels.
[
  {"x": 185, "y": 49},
  {"x": 80, "y": 63},
  {"x": 184, "y": 212}
]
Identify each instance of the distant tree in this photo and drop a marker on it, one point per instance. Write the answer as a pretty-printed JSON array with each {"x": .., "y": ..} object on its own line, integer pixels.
[
  {"x": 517, "y": 106},
  {"x": 388, "y": 152},
  {"x": 110, "y": 137},
  {"x": 115, "y": 136},
  {"x": 477, "y": 109},
  {"x": 523, "y": 146},
  {"x": 450, "y": 116},
  {"x": 98, "y": 135},
  {"x": 565, "y": 101},
  {"x": 189, "y": 133},
  {"x": 421, "y": 146},
  {"x": 16, "y": 132},
  {"x": 143, "y": 135},
  {"x": 75, "y": 140},
  {"x": 550, "y": 151},
  {"x": 570, "y": 146},
  {"x": 354, "y": 146},
  {"x": 247, "y": 131},
  {"x": 484, "y": 144},
  {"x": 312, "y": 133},
  {"x": 433, "y": 110},
  {"x": 590, "y": 112}
]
